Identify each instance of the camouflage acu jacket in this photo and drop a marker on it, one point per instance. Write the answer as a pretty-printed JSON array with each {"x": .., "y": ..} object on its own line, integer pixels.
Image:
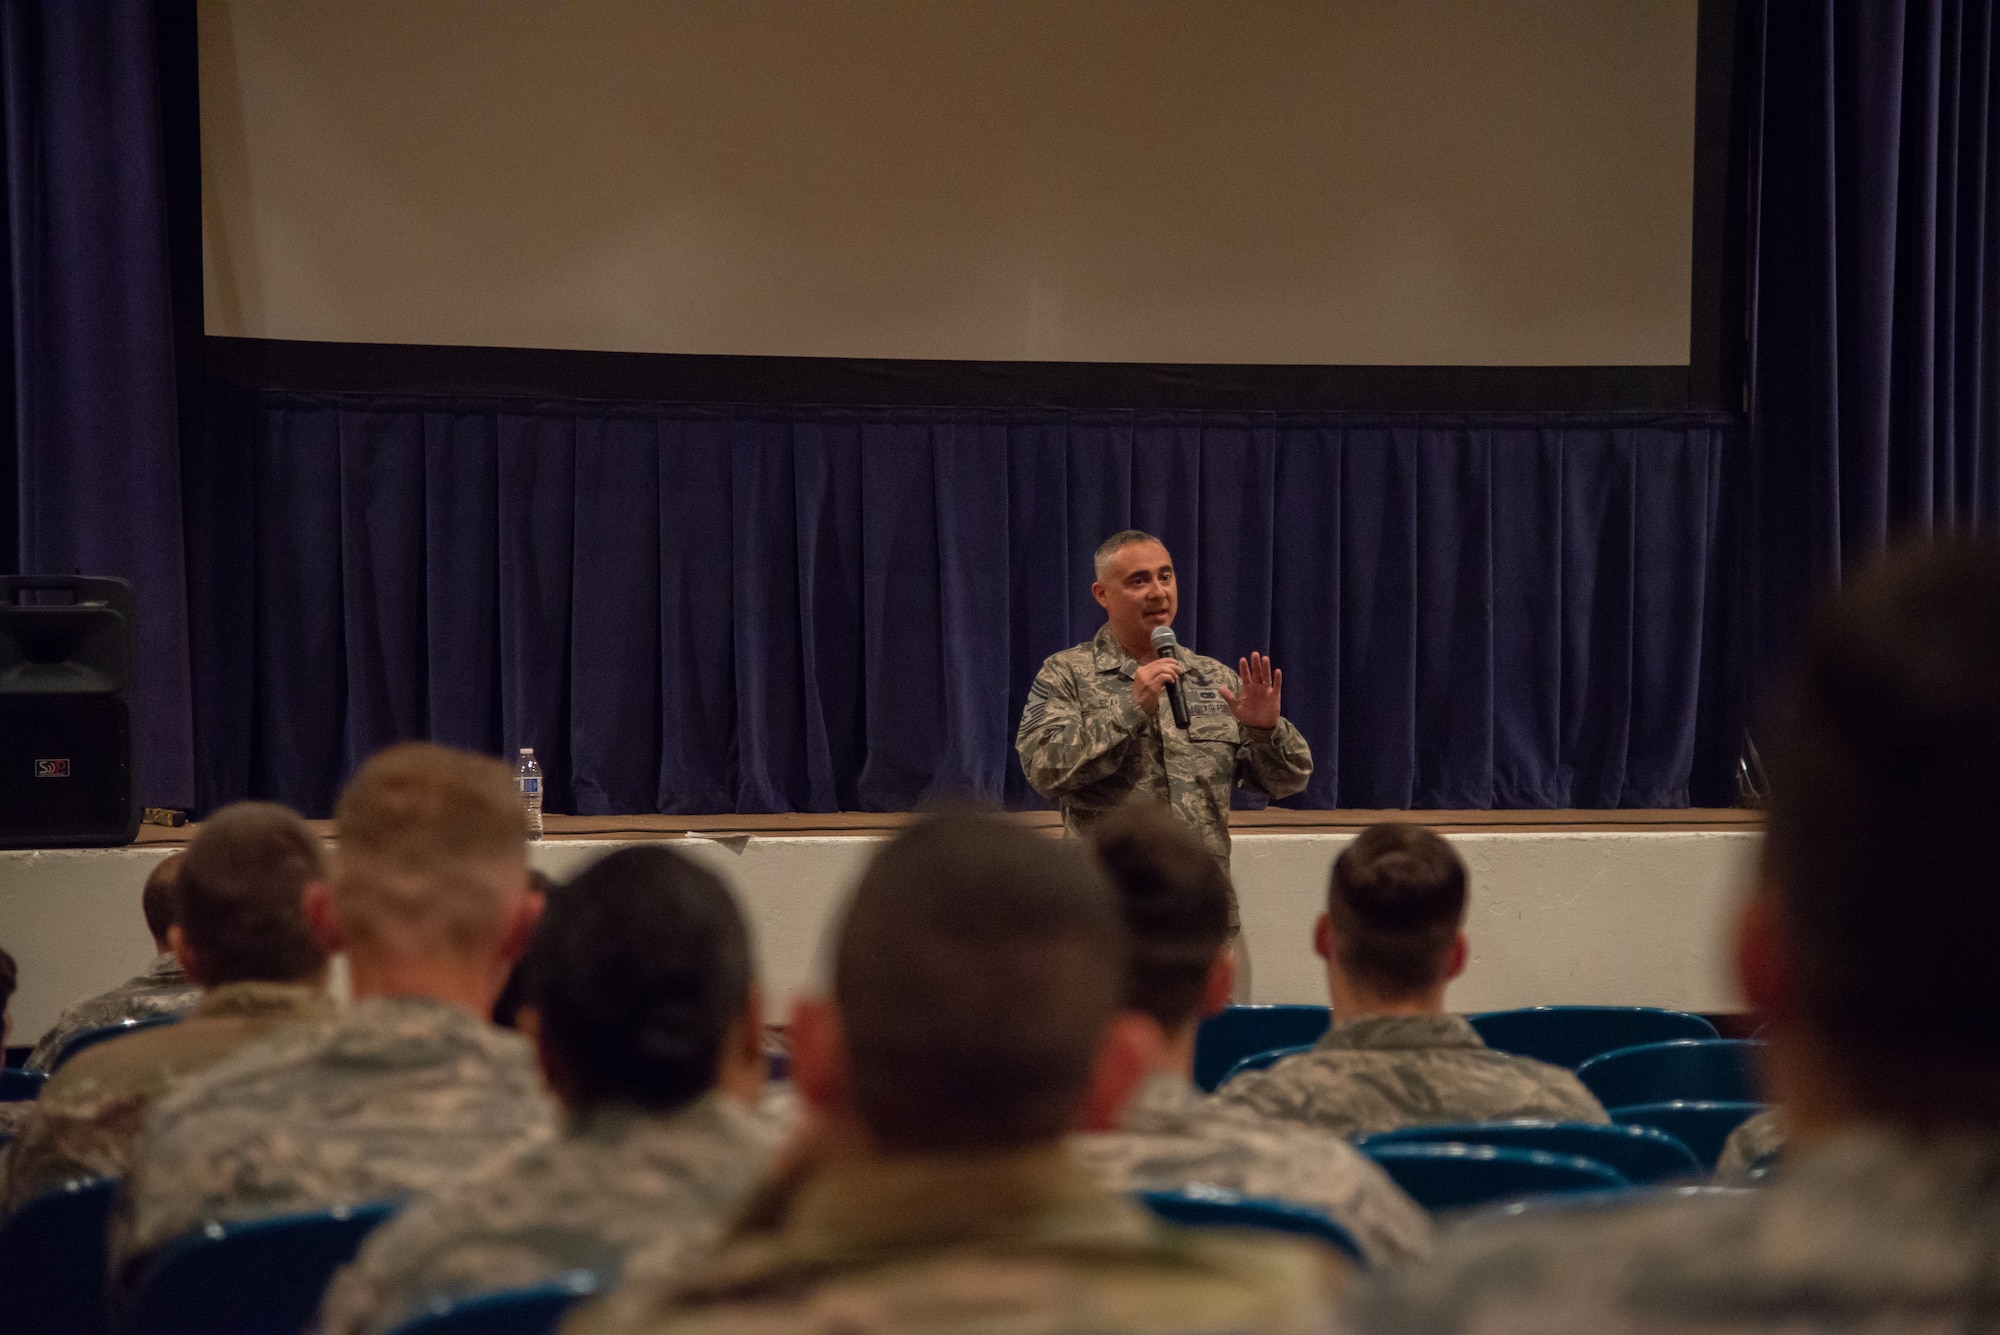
[
  {"x": 1379, "y": 1072},
  {"x": 1870, "y": 1232},
  {"x": 1085, "y": 743},
  {"x": 92, "y": 1110},
  {"x": 164, "y": 989},
  {"x": 399, "y": 1096},
  {"x": 623, "y": 1180},
  {"x": 1021, "y": 1243},
  {"x": 1171, "y": 1135},
  {"x": 1758, "y": 1137}
]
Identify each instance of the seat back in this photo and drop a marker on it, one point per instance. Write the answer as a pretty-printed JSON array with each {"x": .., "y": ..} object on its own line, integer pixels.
[
  {"x": 1257, "y": 1061},
  {"x": 1455, "y": 1176},
  {"x": 1712, "y": 1069},
  {"x": 1210, "y": 1207},
  {"x": 1642, "y": 1155},
  {"x": 252, "y": 1277},
  {"x": 537, "y": 1310},
  {"x": 18, "y": 1086},
  {"x": 84, "y": 1039},
  {"x": 1703, "y": 1125},
  {"x": 1235, "y": 1032},
  {"x": 1572, "y": 1035},
  {"x": 52, "y": 1262}
]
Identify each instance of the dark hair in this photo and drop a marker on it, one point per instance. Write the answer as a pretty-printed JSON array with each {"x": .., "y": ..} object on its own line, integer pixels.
[
  {"x": 637, "y": 970},
  {"x": 977, "y": 968},
  {"x": 159, "y": 901},
  {"x": 1881, "y": 838},
  {"x": 1175, "y": 899},
  {"x": 1397, "y": 900},
  {"x": 507, "y": 1006},
  {"x": 241, "y": 893}
]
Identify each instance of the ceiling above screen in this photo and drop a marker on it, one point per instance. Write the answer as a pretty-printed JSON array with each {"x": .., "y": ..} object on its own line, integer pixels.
[{"x": 1476, "y": 183}]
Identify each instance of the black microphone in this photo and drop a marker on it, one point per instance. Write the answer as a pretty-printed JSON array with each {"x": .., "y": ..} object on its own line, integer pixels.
[{"x": 1164, "y": 645}]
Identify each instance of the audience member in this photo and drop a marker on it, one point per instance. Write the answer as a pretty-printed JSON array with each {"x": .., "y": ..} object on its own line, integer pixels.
[
  {"x": 1866, "y": 945},
  {"x": 976, "y": 983},
  {"x": 507, "y": 1006},
  {"x": 1756, "y": 1142},
  {"x": 1393, "y": 939},
  {"x": 1175, "y": 898},
  {"x": 163, "y": 989},
  {"x": 11, "y": 1115},
  {"x": 412, "y": 1086},
  {"x": 639, "y": 995},
  {"x": 242, "y": 937}
]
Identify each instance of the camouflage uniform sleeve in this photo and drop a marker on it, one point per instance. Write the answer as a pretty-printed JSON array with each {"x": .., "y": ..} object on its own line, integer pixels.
[
  {"x": 1277, "y": 760},
  {"x": 1063, "y": 747}
]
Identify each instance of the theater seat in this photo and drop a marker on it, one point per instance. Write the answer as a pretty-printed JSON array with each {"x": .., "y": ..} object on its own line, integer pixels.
[
  {"x": 1455, "y": 1176},
  {"x": 1716, "y": 1070},
  {"x": 1257, "y": 1061},
  {"x": 1640, "y": 1154},
  {"x": 1211, "y": 1207},
  {"x": 1703, "y": 1125},
  {"x": 85, "y": 1039},
  {"x": 530, "y": 1311},
  {"x": 254, "y": 1276},
  {"x": 18, "y": 1086},
  {"x": 1572, "y": 1035},
  {"x": 52, "y": 1262},
  {"x": 1235, "y": 1032}
]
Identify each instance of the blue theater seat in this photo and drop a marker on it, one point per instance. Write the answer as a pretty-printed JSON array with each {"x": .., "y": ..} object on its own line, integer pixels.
[
  {"x": 1640, "y": 1154},
  {"x": 1235, "y": 1032},
  {"x": 1456, "y": 1176},
  {"x": 1210, "y": 1207},
  {"x": 1572, "y": 1035}
]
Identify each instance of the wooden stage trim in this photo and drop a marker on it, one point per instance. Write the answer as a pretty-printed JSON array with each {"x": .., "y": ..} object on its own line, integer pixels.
[{"x": 872, "y": 824}]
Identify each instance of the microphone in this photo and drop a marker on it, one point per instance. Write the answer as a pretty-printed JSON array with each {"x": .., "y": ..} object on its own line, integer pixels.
[{"x": 1164, "y": 644}]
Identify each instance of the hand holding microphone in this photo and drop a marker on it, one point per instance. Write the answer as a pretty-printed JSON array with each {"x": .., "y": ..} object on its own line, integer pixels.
[{"x": 1165, "y": 645}]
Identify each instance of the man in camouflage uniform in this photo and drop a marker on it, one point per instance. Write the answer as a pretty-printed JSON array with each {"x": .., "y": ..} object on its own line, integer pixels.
[
  {"x": 1393, "y": 939},
  {"x": 1094, "y": 732},
  {"x": 163, "y": 989},
  {"x": 412, "y": 1087},
  {"x": 976, "y": 983},
  {"x": 639, "y": 995},
  {"x": 1170, "y": 1135},
  {"x": 242, "y": 935},
  {"x": 1866, "y": 945}
]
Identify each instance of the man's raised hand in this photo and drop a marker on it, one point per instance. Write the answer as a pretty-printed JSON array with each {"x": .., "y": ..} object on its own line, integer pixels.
[{"x": 1257, "y": 707}]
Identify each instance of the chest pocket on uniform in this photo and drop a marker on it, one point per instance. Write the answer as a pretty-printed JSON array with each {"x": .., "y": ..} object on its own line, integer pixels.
[{"x": 1215, "y": 727}]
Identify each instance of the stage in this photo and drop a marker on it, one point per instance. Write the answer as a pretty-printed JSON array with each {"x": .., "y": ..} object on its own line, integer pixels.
[{"x": 1611, "y": 907}]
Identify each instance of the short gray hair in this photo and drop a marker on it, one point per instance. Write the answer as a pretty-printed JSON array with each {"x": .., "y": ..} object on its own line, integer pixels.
[{"x": 1111, "y": 546}]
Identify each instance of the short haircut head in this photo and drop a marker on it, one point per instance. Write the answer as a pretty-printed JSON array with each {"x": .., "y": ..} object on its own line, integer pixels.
[
  {"x": 432, "y": 848},
  {"x": 977, "y": 969},
  {"x": 1175, "y": 899},
  {"x": 1881, "y": 837},
  {"x": 242, "y": 892},
  {"x": 1397, "y": 901},
  {"x": 638, "y": 969},
  {"x": 1101, "y": 559},
  {"x": 157, "y": 901}
]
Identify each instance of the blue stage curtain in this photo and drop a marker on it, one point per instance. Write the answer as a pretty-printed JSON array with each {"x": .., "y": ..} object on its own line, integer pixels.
[
  {"x": 95, "y": 477},
  {"x": 745, "y": 610},
  {"x": 1876, "y": 339}
]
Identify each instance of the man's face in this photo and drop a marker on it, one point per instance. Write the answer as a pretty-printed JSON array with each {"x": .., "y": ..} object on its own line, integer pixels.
[{"x": 1138, "y": 591}]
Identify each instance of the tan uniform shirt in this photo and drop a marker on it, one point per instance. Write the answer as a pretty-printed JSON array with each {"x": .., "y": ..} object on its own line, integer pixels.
[
  {"x": 1380, "y": 1072},
  {"x": 398, "y": 1096},
  {"x": 164, "y": 989},
  {"x": 1872, "y": 1232},
  {"x": 1171, "y": 1136},
  {"x": 1018, "y": 1243},
  {"x": 623, "y": 1180},
  {"x": 1085, "y": 743},
  {"x": 93, "y": 1109}
]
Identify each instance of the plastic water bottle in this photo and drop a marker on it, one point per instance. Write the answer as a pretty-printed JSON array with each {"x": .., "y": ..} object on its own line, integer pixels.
[{"x": 528, "y": 778}]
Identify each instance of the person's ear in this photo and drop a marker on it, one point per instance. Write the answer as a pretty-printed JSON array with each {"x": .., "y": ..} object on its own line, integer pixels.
[
  {"x": 744, "y": 1070},
  {"x": 177, "y": 946},
  {"x": 317, "y": 904},
  {"x": 1098, "y": 592},
  {"x": 519, "y": 928},
  {"x": 819, "y": 1055},
  {"x": 1221, "y": 984},
  {"x": 1323, "y": 937},
  {"x": 1124, "y": 1055},
  {"x": 1460, "y": 956},
  {"x": 1763, "y": 968}
]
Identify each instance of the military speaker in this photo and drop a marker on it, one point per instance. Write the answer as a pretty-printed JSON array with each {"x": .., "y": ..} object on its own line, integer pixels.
[{"x": 65, "y": 712}]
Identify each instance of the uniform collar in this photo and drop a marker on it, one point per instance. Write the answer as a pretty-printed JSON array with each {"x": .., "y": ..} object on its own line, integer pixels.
[
  {"x": 1165, "y": 1103},
  {"x": 1402, "y": 1031},
  {"x": 166, "y": 971},
  {"x": 1110, "y": 655},
  {"x": 260, "y": 1001}
]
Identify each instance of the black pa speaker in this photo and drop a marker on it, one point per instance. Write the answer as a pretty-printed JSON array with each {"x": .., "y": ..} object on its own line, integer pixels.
[{"x": 65, "y": 712}]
